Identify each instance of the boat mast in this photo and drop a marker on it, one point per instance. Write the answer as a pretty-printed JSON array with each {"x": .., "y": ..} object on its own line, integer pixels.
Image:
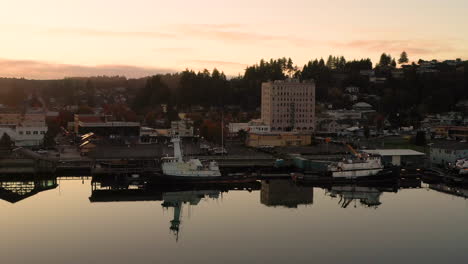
[{"x": 177, "y": 149}]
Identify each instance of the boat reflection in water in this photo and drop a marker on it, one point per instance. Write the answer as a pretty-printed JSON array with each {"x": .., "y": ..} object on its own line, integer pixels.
[
  {"x": 177, "y": 199},
  {"x": 367, "y": 196},
  {"x": 285, "y": 193},
  {"x": 117, "y": 189},
  {"x": 15, "y": 191}
]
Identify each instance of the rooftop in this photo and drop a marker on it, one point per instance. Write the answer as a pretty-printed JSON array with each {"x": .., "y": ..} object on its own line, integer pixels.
[
  {"x": 394, "y": 152},
  {"x": 450, "y": 144}
]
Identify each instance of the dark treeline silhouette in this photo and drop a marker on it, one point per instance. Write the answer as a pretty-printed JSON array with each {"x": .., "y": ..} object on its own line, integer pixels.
[{"x": 413, "y": 93}]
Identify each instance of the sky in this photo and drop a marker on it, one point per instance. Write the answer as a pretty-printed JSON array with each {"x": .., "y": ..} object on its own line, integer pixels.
[{"x": 61, "y": 38}]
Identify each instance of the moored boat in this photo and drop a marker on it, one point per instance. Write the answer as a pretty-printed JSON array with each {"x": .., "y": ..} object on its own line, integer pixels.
[{"x": 176, "y": 169}]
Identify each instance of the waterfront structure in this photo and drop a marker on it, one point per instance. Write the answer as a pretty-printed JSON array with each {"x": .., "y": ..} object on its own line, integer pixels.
[
  {"x": 150, "y": 135},
  {"x": 444, "y": 152},
  {"x": 289, "y": 105},
  {"x": 278, "y": 139},
  {"x": 398, "y": 157},
  {"x": 25, "y": 129},
  {"x": 101, "y": 126}
]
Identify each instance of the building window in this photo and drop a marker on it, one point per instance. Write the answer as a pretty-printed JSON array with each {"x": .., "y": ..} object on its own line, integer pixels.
[
  {"x": 42, "y": 132},
  {"x": 28, "y": 132},
  {"x": 21, "y": 132},
  {"x": 35, "y": 132}
]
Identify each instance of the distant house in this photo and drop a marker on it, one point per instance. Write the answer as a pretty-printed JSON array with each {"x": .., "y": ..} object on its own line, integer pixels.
[
  {"x": 278, "y": 139},
  {"x": 462, "y": 106},
  {"x": 444, "y": 152},
  {"x": 362, "y": 106},
  {"x": 374, "y": 79},
  {"x": 327, "y": 126},
  {"x": 398, "y": 74},
  {"x": 344, "y": 114},
  {"x": 352, "y": 90}
]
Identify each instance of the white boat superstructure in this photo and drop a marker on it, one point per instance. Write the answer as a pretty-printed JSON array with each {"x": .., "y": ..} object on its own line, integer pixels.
[
  {"x": 461, "y": 166},
  {"x": 176, "y": 166},
  {"x": 359, "y": 167}
]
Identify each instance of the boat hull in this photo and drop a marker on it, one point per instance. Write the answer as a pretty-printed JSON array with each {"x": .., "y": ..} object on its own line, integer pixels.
[{"x": 383, "y": 176}]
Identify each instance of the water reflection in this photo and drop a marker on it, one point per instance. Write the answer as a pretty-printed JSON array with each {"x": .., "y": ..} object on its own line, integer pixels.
[
  {"x": 15, "y": 191},
  {"x": 366, "y": 196},
  {"x": 129, "y": 219},
  {"x": 285, "y": 193},
  {"x": 123, "y": 188},
  {"x": 451, "y": 190},
  {"x": 177, "y": 199}
]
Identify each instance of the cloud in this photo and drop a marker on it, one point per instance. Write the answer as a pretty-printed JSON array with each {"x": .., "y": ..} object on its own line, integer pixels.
[
  {"x": 45, "y": 70},
  {"x": 416, "y": 47},
  {"x": 234, "y": 33},
  {"x": 218, "y": 62},
  {"x": 109, "y": 33}
]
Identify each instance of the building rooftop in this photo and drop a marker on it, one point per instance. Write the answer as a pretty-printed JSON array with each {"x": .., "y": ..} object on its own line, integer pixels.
[
  {"x": 450, "y": 144},
  {"x": 394, "y": 152}
]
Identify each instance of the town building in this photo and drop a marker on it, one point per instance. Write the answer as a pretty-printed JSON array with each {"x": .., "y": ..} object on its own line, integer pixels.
[
  {"x": 253, "y": 126},
  {"x": 398, "y": 157},
  {"x": 25, "y": 129},
  {"x": 289, "y": 105},
  {"x": 182, "y": 128},
  {"x": 362, "y": 106},
  {"x": 444, "y": 152},
  {"x": 278, "y": 139},
  {"x": 344, "y": 114},
  {"x": 150, "y": 135},
  {"x": 99, "y": 125},
  {"x": 455, "y": 132}
]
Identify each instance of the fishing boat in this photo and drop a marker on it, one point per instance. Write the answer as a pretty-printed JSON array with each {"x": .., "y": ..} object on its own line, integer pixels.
[
  {"x": 176, "y": 169},
  {"x": 362, "y": 167},
  {"x": 460, "y": 167}
]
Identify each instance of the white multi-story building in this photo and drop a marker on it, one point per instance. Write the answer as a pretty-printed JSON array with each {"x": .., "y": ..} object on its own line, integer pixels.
[
  {"x": 24, "y": 129},
  {"x": 289, "y": 105}
]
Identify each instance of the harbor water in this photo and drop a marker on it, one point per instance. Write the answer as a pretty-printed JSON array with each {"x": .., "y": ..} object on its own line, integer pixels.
[{"x": 81, "y": 221}]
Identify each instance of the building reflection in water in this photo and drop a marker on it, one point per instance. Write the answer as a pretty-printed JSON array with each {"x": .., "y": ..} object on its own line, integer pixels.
[
  {"x": 366, "y": 196},
  {"x": 15, "y": 191},
  {"x": 285, "y": 193}
]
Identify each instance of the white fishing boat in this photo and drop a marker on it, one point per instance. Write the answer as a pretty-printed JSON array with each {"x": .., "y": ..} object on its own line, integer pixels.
[
  {"x": 356, "y": 167},
  {"x": 193, "y": 169}
]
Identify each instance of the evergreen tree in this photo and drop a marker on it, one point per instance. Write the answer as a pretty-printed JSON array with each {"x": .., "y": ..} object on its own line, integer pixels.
[
  {"x": 6, "y": 142},
  {"x": 403, "y": 58}
]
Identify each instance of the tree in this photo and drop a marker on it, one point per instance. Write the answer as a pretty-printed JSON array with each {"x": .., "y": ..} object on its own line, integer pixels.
[
  {"x": 385, "y": 59},
  {"x": 420, "y": 138},
  {"x": 403, "y": 58},
  {"x": 393, "y": 63},
  {"x": 6, "y": 142},
  {"x": 366, "y": 131}
]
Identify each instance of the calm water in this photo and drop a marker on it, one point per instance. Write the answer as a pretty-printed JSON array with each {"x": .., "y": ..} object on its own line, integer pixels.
[{"x": 75, "y": 221}]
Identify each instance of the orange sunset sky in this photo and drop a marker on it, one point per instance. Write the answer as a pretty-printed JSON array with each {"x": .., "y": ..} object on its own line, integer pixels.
[{"x": 58, "y": 38}]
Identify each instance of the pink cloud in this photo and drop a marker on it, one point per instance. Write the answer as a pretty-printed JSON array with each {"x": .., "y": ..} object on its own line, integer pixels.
[
  {"x": 417, "y": 47},
  {"x": 45, "y": 70}
]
